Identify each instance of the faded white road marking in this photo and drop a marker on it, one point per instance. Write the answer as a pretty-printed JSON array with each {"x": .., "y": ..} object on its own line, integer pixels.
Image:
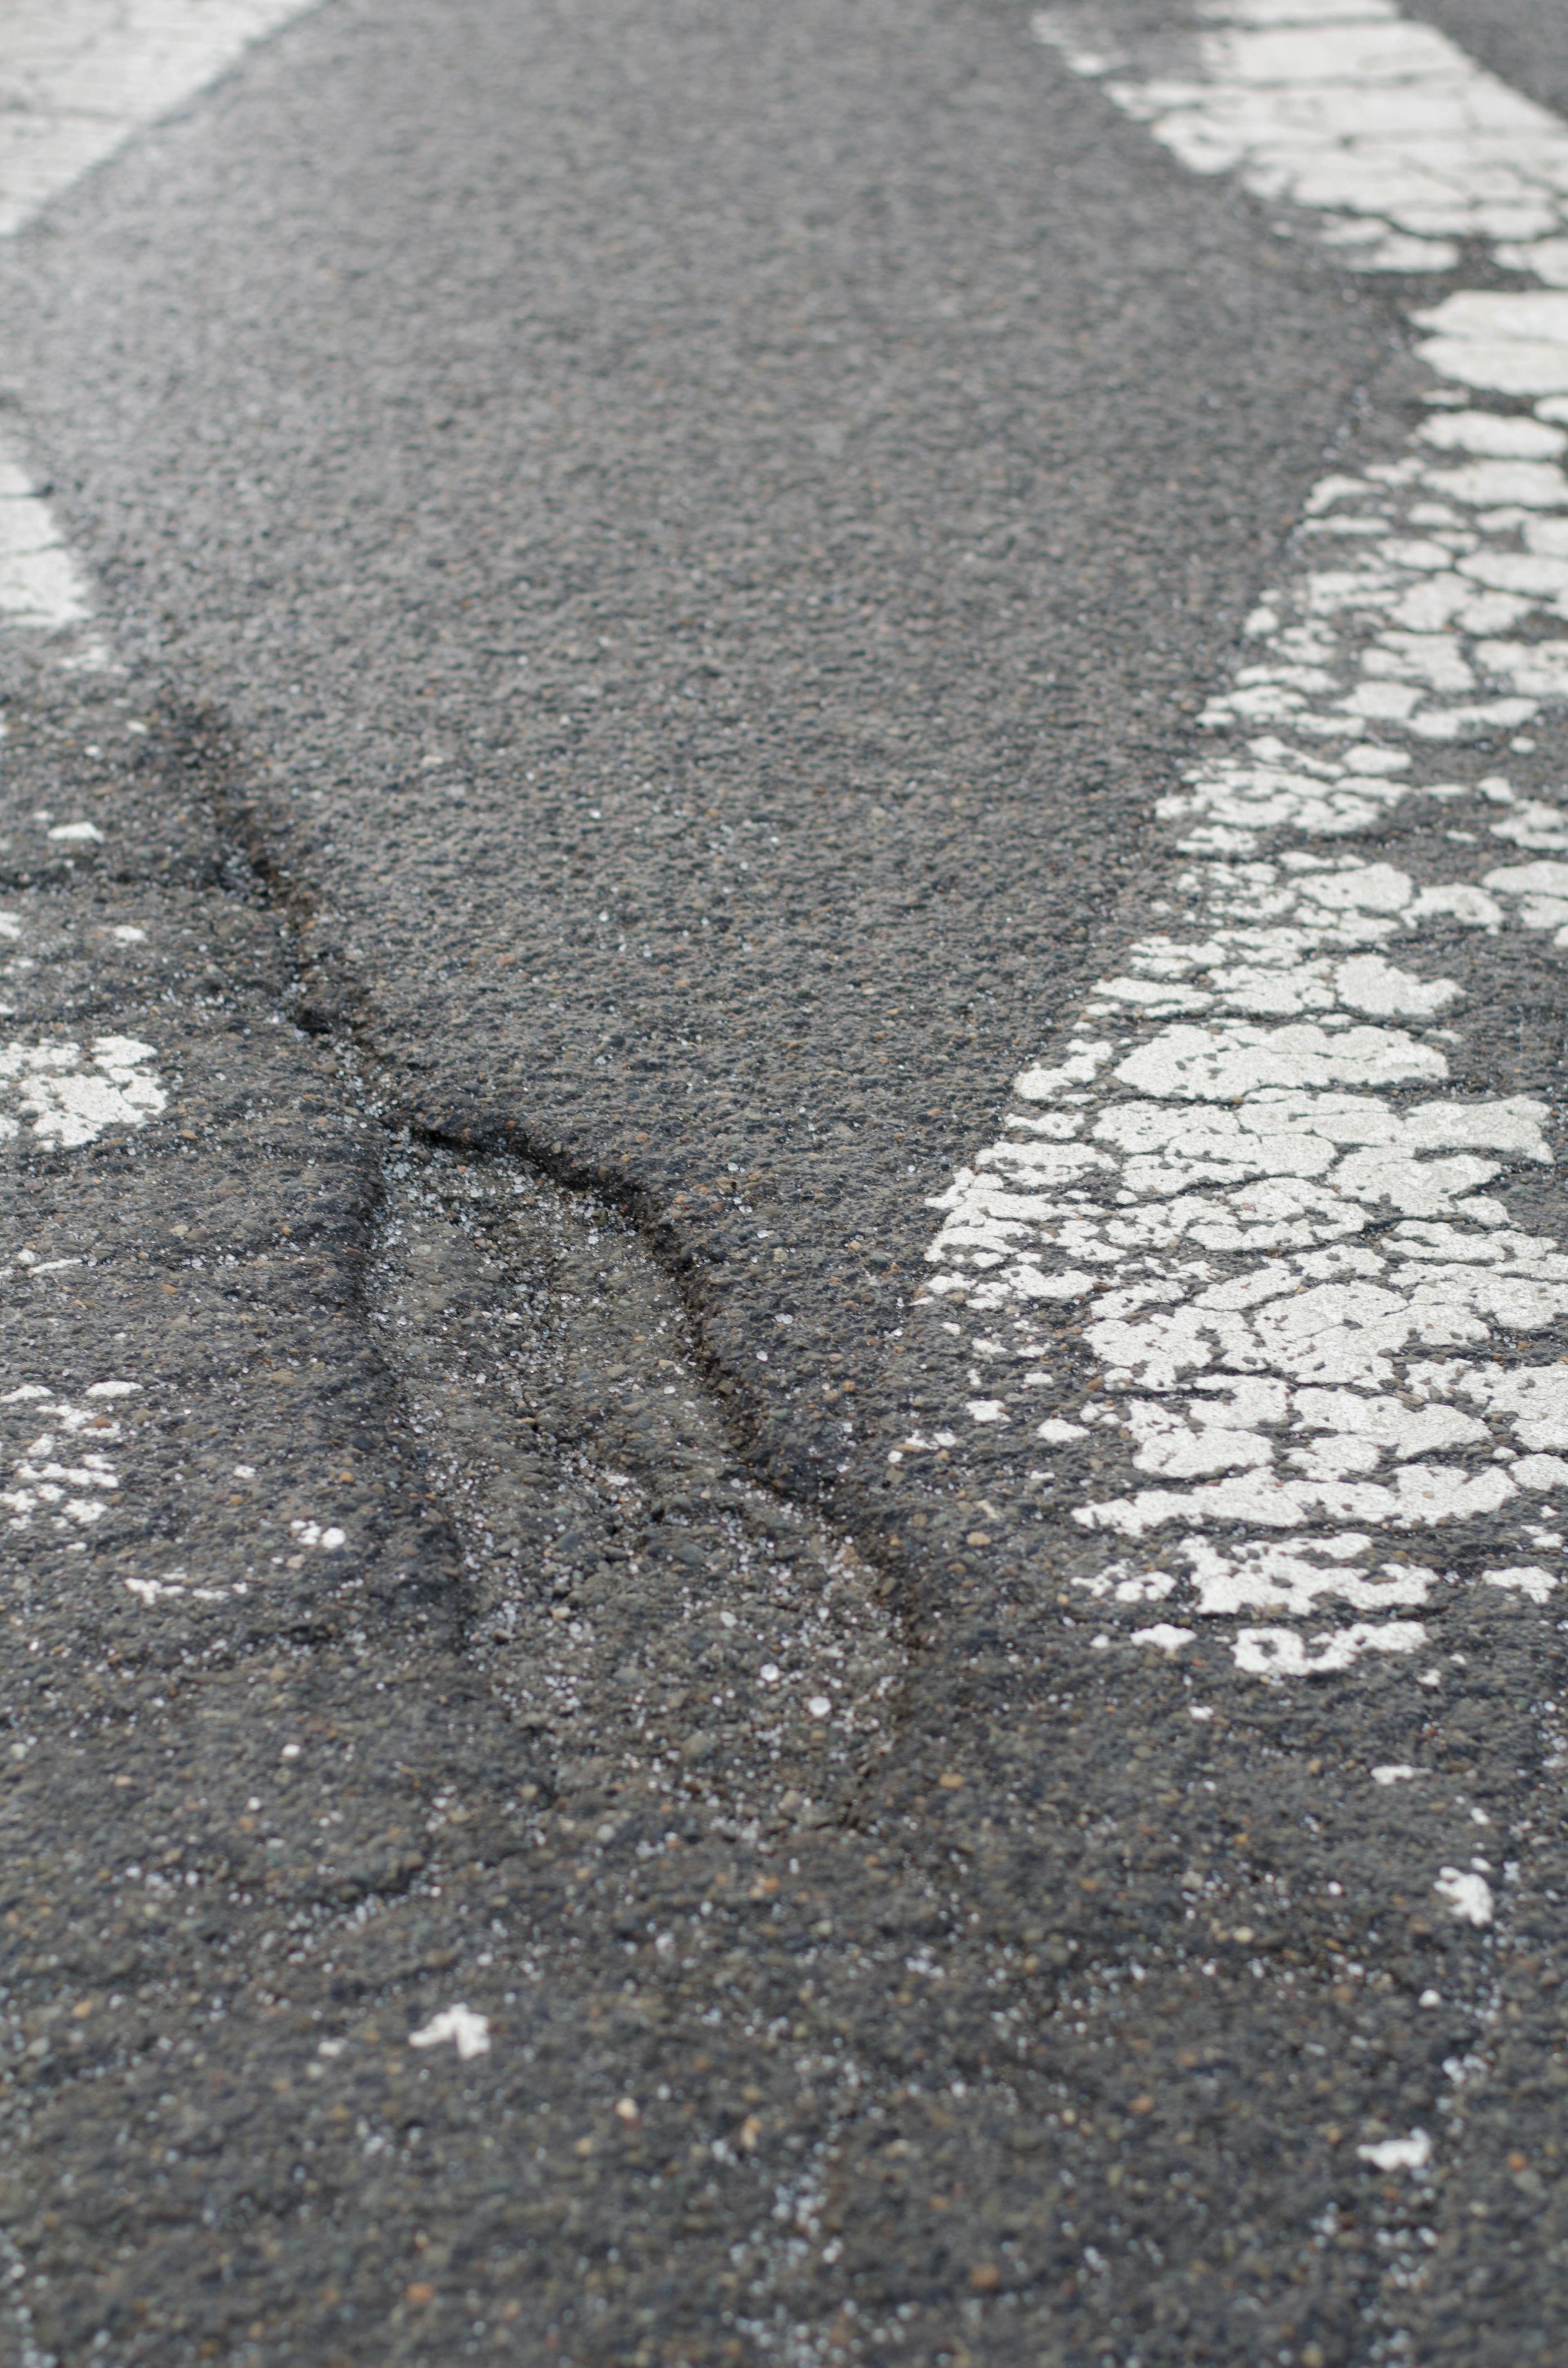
[
  {"x": 1401, "y": 144},
  {"x": 77, "y": 78},
  {"x": 67, "y": 1454},
  {"x": 1427, "y": 588},
  {"x": 68, "y": 1094},
  {"x": 61, "y": 1475},
  {"x": 55, "y": 1090},
  {"x": 1287, "y": 1234},
  {"x": 42, "y": 585}
]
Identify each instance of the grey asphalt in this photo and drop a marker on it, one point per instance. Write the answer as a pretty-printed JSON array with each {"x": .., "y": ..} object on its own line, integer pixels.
[
  {"x": 663, "y": 560},
  {"x": 1525, "y": 45}
]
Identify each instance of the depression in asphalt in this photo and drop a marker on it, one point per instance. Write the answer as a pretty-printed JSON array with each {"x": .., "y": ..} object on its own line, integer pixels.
[{"x": 784, "y": 1427}]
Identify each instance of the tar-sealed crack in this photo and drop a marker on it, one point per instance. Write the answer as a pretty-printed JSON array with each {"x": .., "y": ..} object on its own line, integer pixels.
[{"x": 639, "y": 1601}]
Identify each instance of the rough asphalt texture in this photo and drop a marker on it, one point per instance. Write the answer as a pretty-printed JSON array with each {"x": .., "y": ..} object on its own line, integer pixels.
[{"x": 664, "y": 562}]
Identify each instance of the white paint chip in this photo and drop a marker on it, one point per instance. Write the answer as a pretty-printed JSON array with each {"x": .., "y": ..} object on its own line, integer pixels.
[
  {"x": 1469, "y": 1895},
  {"x": 1529, "y": 1580},
  {"x": 1163, "y": 1637},
  {"x": 311, "y": 1533},
  {"x": 1412, "y": 2153},
  {"x": 469, "y": 2031}
]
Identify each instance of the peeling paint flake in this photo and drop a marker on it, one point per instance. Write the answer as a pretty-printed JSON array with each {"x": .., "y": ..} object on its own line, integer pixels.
[{"x": 469, "y": 2031}]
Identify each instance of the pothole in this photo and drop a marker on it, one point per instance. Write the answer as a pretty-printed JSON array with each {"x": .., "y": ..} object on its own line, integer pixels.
[{"x": 675, "y": 1634}]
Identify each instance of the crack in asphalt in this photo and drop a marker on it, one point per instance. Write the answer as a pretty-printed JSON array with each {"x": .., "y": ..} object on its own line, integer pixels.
[
  {"x": 626, "y": 1576},
  {"x": 787, "y": 2046}
]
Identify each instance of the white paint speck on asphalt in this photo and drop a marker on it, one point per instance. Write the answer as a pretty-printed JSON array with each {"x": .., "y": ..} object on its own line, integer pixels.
[
  {"x": 469, "y": 2031},
  {"x": 1412, "y": 2153},
  {"x": 77, "y": 78},
  {"x": 1468, "y": 1893}
]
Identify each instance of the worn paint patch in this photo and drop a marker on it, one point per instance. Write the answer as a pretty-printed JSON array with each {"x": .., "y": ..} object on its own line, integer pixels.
[
  {"x": 76, "y": 79},
  {"x": 1288, "y": 1238},
  {"x": 63, "y": 1459},
  {"x": 69, "y": 1094},
  {"x": 469, "y": 2031}
]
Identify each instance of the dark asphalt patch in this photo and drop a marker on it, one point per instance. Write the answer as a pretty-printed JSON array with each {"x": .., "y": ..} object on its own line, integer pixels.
[{"x": 1525, "y": 46}]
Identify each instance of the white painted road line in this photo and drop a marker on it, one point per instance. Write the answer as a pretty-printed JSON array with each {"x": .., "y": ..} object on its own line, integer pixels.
[
  {"x": 42, "y": 583},
  {"x": 1297, "y": 1285},
  {"x": 1293, "y": 1241},
  {"x": 76, "y": 79},
  {"x": 78, "y": 76},
  {"x": 1399, "y": 144}
]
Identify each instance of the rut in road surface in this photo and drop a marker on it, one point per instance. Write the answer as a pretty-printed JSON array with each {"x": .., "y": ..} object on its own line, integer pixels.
[{"x": 640, "y": 1601}]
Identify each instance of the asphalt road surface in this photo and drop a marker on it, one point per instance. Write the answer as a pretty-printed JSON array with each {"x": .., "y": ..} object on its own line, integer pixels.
[{"x": 785, "y": 886}]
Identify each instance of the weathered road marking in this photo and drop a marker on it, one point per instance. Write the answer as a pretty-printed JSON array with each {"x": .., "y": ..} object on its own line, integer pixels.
[
  {"x": 1324, "y": 1330},
  {"x": 62, "y": 1476},
  {"x": 76, "y": 79},
  {"x": 69, "y": 1094}
]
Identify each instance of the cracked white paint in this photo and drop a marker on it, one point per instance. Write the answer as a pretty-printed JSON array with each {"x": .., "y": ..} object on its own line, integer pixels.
[
  {"x": 1396, "y": 139},
  {"x": 77, "y": 78},
  {"x": 1425, "y": 590},
  {"x": 1288, "y": 1234},
  {"x": 65, "y": 1094}
]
